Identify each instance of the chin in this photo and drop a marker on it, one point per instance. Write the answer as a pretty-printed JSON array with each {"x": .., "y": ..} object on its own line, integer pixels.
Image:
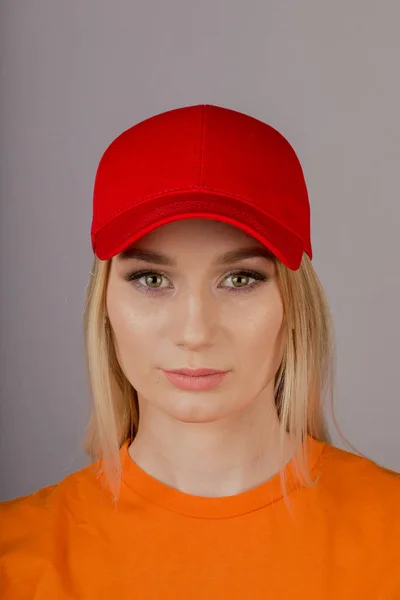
[{"x": 195, "y": 412}]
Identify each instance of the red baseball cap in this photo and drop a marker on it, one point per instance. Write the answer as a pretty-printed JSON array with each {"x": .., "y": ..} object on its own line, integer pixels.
[{"x": 202, "y": 161}]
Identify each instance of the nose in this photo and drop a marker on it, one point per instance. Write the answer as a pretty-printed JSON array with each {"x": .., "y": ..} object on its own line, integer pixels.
[{"x": 195, "y": 321}]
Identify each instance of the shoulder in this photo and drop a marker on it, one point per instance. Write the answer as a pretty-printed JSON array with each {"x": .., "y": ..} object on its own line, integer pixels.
[
  {"x": 359, "y": 483},
  {"x": 350, "y": 465},
  {"x": 36, "y": 507},
  {"x": 28, "y": 524}
]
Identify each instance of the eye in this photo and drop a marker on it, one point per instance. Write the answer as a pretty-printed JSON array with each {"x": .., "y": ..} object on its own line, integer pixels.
[
  {"x": 150, "y": 284},
  {"x": 242, "y": 277},
  {"x": 150, "y": 279}
]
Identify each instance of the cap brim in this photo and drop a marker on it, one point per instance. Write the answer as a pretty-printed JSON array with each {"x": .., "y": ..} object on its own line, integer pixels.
[{"x": 130, "y": 226}]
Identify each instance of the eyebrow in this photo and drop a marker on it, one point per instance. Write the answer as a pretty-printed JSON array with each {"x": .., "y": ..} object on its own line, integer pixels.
[{"x": 230, "y": 257}]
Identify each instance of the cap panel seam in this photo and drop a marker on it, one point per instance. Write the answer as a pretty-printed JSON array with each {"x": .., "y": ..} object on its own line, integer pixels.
[{"x": 202, "y": 144}]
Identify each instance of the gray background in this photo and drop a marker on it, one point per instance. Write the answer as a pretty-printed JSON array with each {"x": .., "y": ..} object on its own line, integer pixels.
[{"x": 75, "y": 74}]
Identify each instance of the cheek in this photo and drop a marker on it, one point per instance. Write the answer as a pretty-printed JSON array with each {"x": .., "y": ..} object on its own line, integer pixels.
[
  {"x": 133, "y": 334},
  {"x": 133, "y": 331},
  {"x": 262, "y": 334}
]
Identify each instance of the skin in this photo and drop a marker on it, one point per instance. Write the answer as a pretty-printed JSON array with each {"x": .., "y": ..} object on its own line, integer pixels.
[{"x": 221, "y": 441}]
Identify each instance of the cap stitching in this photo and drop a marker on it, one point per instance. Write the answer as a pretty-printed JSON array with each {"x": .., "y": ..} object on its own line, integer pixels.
[{"x": 212, "y": 189}]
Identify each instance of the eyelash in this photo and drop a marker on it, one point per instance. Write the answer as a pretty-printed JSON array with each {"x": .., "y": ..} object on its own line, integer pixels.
[{"x": 136, "y": 275}]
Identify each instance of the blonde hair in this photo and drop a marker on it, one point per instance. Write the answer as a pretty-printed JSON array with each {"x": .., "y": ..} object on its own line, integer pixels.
[{"x": 304, "y": 382}]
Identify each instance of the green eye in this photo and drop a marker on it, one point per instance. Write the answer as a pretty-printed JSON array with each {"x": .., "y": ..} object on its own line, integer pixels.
[{"x": 150, "y": 278}]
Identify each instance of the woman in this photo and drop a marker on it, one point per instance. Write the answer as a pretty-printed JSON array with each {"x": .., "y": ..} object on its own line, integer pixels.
[{"x": 209, "y": 351}]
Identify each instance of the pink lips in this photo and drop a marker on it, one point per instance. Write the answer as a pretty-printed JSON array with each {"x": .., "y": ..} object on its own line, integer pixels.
[
  {"x": 195, "y": 372},
  {"x": 195, "y": 379}
]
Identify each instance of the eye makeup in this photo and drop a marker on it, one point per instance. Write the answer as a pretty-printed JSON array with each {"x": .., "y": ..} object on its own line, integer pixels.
[{"x": 135, "y": 277}]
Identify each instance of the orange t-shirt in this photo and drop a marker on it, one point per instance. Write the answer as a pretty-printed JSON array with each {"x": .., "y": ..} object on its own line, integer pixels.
[{"x": 340, "y": 541}]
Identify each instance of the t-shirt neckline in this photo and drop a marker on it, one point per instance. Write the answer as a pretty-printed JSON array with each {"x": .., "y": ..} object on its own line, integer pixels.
[{"x": 173, "y": 499}]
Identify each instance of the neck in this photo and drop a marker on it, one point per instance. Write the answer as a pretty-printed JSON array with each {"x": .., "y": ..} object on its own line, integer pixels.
[{"x": 213, "y": 459}]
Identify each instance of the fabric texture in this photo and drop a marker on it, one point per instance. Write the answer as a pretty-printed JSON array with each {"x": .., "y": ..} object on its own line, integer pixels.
[{"x": 339, "y": 539}]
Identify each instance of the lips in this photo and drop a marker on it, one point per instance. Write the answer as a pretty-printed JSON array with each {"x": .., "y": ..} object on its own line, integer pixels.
[
  {"x": 196, "y": 382},
  {"x": 196, "y": 372}
]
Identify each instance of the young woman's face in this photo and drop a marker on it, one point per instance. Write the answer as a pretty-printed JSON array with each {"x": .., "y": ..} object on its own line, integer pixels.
[{"x": 196, "y": 313}]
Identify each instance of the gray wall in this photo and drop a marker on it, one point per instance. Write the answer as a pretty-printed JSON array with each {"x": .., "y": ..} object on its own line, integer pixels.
[{"x": 75, "y": 74}]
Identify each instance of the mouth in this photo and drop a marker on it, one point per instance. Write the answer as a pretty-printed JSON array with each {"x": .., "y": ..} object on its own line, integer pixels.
[
  {"x": 195, "y": 382},
  {"x": 195, "y": 372}
]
